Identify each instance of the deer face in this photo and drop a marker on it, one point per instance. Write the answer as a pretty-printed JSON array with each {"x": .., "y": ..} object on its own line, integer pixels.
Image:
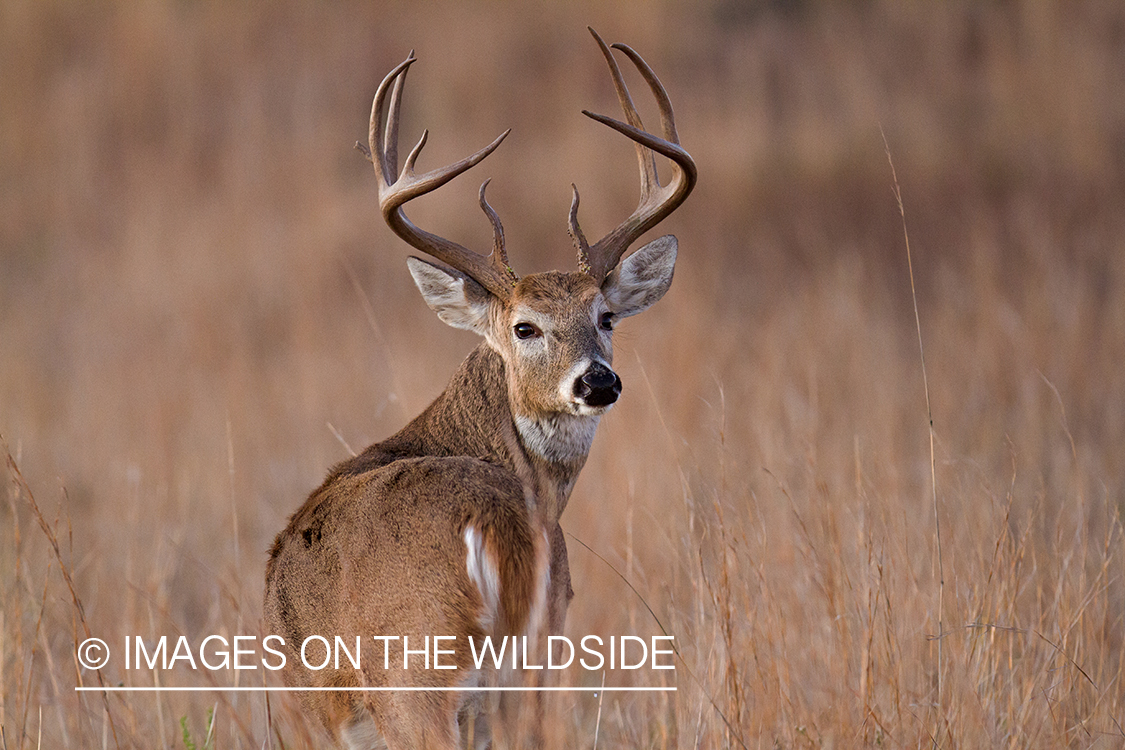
[
  {"x": 555, "y": 336},
  {"x": 555, "y": 330}
]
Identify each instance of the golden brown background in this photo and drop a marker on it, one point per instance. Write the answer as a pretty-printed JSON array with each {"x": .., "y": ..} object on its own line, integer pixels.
[{"x": 200, "y": 309}]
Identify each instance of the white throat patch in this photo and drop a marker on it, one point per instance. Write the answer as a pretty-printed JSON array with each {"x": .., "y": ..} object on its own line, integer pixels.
[{"x": 560, "y": 437}]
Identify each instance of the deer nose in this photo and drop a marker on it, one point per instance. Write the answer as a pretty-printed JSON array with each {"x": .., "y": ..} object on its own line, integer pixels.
[{"x": 598, "y": 386}]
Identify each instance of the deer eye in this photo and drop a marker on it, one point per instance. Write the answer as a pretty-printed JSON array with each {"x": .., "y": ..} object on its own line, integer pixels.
[
  {"x": 526, "y": 331},
  {"x": 606, "y": 321}
]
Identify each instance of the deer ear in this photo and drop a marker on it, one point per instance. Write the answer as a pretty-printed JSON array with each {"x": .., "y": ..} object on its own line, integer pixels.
[
  {"x": 456, "y": 298},
  {"x": 641, "y": 280}
]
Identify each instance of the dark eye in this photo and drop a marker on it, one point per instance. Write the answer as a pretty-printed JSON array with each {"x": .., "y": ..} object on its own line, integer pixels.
[
  {"x": 526, "y": 331},
  {"x": 606, "y": 321}
]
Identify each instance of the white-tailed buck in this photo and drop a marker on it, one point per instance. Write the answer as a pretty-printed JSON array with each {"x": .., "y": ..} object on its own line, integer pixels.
[{"x": 450, "y": 528}]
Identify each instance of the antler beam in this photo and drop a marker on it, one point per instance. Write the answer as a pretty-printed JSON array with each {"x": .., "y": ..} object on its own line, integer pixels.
[
  {"x": 657, "y": 201},
  {"x": 396, "y": 188}
]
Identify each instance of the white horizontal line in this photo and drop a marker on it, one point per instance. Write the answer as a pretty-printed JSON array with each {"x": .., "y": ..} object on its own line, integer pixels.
[{"x": 162, "y": 689}]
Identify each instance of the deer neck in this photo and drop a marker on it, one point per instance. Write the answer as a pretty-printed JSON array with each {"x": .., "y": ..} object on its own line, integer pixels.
[{"x": 474, "y": 417}]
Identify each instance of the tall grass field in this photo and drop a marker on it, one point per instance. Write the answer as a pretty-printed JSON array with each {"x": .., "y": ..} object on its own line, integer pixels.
[{"x": 877, "y": 500}]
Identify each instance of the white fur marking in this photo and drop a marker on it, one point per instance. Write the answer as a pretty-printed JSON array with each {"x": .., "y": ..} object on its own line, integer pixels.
[
  {"x": 566, "y": 385},
  {"x": 559, "y": 437},
  {"x": 362, "y": 735},
  {"x": 484, "y": 575}
]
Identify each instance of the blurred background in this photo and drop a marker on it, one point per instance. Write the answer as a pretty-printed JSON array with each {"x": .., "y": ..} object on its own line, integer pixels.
[{"x": 201, "y": 311}]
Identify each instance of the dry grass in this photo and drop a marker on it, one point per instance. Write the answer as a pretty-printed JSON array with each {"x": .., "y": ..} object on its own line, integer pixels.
[{"x": 189, "y": 253}]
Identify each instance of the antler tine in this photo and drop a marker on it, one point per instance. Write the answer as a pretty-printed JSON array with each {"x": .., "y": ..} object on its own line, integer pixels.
[
  {"x": 576, "y": 235},
  {"x": 656, "y": 201},
  {"x": 499, "y": 254},
  {"x": 645, "y": 159},
  {"x": 395, "y": 190},
  {"x": 667, "y": 119},
  {"x": 390, "y": 139},
  {"x": 383, "y": 152}
]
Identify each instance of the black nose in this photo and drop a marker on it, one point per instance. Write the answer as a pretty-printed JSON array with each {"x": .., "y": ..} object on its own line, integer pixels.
[{"x": 598, "y": 386}]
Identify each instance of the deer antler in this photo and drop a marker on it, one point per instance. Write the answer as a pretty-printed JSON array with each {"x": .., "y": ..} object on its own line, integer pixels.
[
  {"x": 656, "y": 201},
  {"x": 491, "y": 272}
]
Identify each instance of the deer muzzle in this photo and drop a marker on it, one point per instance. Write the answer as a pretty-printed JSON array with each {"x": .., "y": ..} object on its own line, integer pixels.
[{"x": 598, "y": 386}]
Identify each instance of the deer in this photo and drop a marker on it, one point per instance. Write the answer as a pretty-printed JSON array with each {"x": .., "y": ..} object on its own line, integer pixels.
[{"x": 450, "y": 527}]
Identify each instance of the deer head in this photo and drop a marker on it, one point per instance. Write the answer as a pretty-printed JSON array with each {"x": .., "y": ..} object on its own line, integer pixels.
[{"x": 553, "y": 330}]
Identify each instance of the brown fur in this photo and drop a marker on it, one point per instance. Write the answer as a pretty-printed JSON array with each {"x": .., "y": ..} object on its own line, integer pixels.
[
  {"x": 378, "y": 549},
  {"x": 381, "y": 548}
]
